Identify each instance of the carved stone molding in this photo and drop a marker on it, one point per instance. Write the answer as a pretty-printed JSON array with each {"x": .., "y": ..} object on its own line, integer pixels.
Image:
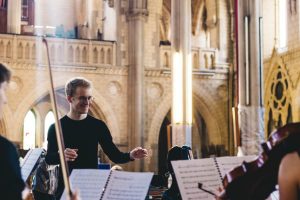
[
  {"x": 81, "y": 69},
  {"x": 114, "y": 88},
  {"x": 155, "y": 91}
]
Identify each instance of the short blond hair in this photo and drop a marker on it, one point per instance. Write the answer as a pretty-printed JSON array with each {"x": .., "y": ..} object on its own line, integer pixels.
[{"x": 74, "y": 83}]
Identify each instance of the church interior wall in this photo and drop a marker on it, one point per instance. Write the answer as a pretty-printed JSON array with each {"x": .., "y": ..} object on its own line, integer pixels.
[
  {"x": 110, "y": 76},
  {"x": 283, "y": 60},
  {"x": 269, "y": 28}
]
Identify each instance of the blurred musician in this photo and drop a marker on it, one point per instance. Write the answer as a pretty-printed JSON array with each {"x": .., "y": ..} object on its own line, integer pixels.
[
  {"x": 11, "y": 182},
  {"x": 289, "y": 177}
]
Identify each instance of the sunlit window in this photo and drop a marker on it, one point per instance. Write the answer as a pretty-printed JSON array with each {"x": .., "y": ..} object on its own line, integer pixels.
[
  {"x": 29, "y": 131},
  {"x": 282, "y": 8},
  {"x": 49, "y": 119}
]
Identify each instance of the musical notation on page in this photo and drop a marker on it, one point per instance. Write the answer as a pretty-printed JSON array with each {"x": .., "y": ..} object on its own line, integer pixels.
[
  {"x": 127, "y": 185},
  {"x": 89, "y": 182},
  {"x": 227, "y": 163},
  {"x": 29, "y": 162},
  {"x": 189, "y": 174}
]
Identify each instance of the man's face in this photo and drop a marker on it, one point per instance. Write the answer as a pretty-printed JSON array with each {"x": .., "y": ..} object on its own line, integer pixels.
[
  {"x": 81, "y": 100},
  {"x": 3, "y": 99}
]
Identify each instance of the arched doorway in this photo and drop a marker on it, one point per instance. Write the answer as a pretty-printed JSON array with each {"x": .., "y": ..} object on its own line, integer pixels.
[{"x": 163, "y": 145}]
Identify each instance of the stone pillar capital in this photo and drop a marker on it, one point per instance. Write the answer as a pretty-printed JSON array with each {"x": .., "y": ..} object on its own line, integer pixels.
[{"x": 137, "y": 14}]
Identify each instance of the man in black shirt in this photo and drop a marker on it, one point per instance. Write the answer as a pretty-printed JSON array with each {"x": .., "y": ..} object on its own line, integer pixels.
[
  {"x": 11, "y": 182},
  {"x": 82, "y": 133}
]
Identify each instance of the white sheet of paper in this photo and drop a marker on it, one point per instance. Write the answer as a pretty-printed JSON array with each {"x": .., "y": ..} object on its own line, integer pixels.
[
  {"x": 228, "y": 163},
  {"x": 191, "y": 172},
  {"x": 89, "y": 182},
  {"x": 29, "y": 162},
  {"x": 127, "y": 185}
]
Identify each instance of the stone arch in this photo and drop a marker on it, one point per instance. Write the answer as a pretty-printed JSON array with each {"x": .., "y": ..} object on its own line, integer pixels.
[
  {"x": 33, "y": 52},
  {"x": 197, "y": 12},
  {"x": 2, "y": 128},
  {"x": 84, "y": 55},
  {"x": 6, "y": 123},
  {"x": 77, "y": 54},
  {"x": 102, "y": 56},
  {"x": 214, "y": 123},
  {"x": 70, "y": 54},
  {"x": 8, "y": 50},
  {"x": 166, "y": 60},
  {"x": 205, "y": 61},
  {"x": 20, "y": 51},
  {"x": 209, "y": 112},
  {"x": 52, "y": 52},
  {"x": 95, "y": 55},
  {"x": 212, "y": 61},
  {"x": 196, "y": 61},
  {"x": 60, "y": 53},
  {"x": 157, "y": 119},
  {"x": 108, "y": 56},
  {"x": 27, "y": 51}
]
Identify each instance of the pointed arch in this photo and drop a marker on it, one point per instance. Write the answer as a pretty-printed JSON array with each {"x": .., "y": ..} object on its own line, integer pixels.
[
  {"x": 8, "y": 50},
  {"x": 196, "y": 61},
  {"x": 108, "y": 57},
  {"x": 20, "y": 51},
  {"x": 102, "y": 56},
  {"x": 278, "y": 97},
  {"x": 52, "y": 52},
  {"x": 27, "y": 51},
  {"x": 95, "y": 55},
  {"x": 166, "y": 60},
  {"x": 70, "y": 54},
  {"x": 84, "y": 55},
  {"x": 60, "y": 54},
  {"x": 77, "y": 54},
  {"x": 33, "y": 52},
  {"x": 29, "y": 130},
  {"x": 49, "y": 119}
]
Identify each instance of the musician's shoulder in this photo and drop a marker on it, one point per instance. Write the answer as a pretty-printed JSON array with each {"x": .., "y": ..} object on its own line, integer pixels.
[
  {"x": 290, "y": 161},
  {"x": 5, "y": 143},
  {"x": 95, "y": 120}
]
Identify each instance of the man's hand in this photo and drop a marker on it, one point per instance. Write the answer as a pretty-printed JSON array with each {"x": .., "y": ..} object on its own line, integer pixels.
[
  {"x": 138, "y": 153},
  {"x": 70, "y": 154}
]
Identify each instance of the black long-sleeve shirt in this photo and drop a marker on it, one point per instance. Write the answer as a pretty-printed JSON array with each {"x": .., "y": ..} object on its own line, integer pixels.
[
  {"x": 11, "y": 182},
  {"x": 84, "y": 135}
]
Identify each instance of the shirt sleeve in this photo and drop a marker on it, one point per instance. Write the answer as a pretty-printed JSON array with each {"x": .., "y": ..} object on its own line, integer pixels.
[
  {"x": 109, "y": 148},
  {"x": 52, "y": 156},
  {"x": 11, "y": 182}
]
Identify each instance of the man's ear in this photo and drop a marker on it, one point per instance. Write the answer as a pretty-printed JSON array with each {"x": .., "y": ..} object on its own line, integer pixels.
[{"x": 69, "y": 98}]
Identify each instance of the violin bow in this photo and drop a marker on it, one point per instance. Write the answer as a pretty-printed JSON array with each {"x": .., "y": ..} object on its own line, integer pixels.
[{"x": 58, "y": 130}]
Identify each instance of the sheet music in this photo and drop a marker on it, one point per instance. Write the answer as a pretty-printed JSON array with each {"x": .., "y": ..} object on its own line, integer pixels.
[
  {"x": 274, "y": 195},
  {"x": 227, "y": 163},
  {"x": 127, "y": 185},
  {"x": 190, "y": 172},
  {"x": 29, "y": 162},
  {"x": 89, "y": 182}
]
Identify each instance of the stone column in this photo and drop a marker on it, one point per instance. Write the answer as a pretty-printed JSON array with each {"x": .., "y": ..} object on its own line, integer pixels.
[
  {"x": 14, "y": 16},
  {"x": 136, "y": 19},
  {"x": 181, "y": 72},
  {"x": 251, "y": 111},
  {"x": 93, "y": 7}
]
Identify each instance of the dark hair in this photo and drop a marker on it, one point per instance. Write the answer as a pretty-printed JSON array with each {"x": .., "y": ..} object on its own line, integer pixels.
[
  {"x": 5, "y": 74},
  {"x": 74, "y": 83},
  {"x": 177, "y": 153}
]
